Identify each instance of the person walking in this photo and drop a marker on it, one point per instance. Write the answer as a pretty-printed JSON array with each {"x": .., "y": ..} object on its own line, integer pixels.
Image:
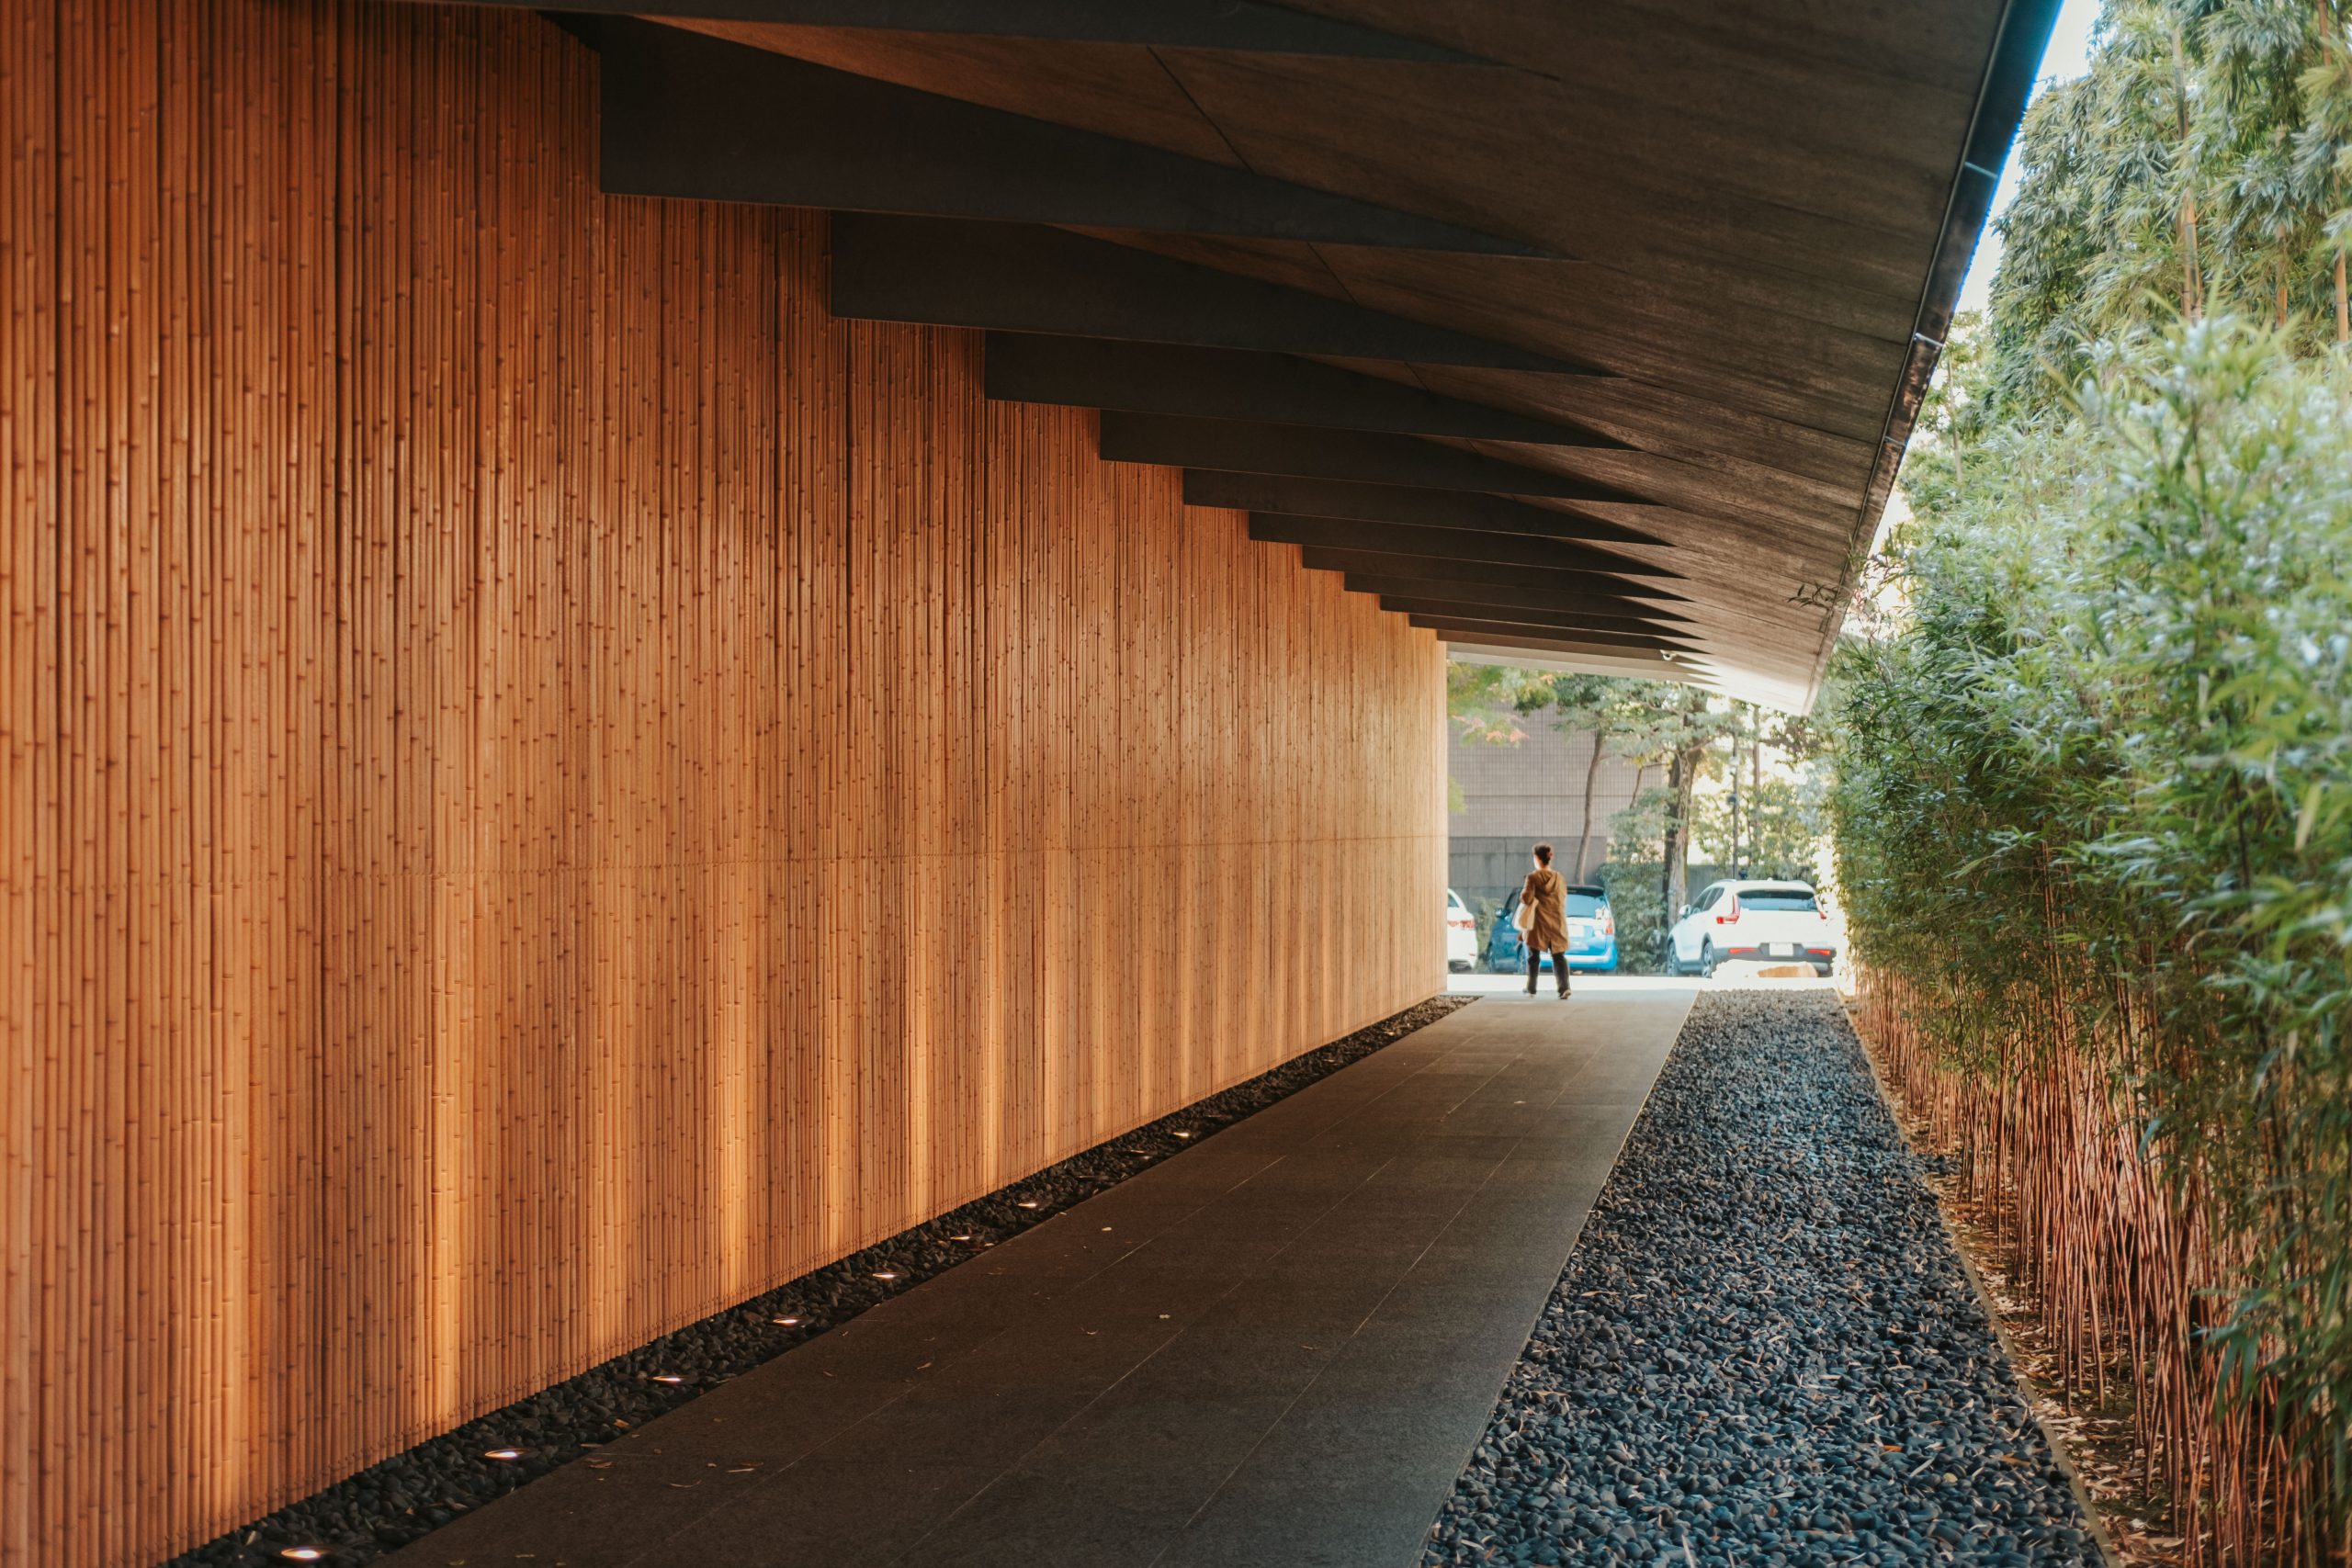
[{"x": 1543, "y": 919}]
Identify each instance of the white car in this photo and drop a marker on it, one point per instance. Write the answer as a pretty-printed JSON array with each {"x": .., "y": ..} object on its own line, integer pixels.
[
  {"x": 1461, "y": 935},
  {"x": 1751, "y": 922}
]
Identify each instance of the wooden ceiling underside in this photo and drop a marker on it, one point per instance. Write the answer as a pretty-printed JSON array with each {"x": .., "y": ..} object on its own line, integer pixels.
[{"x": 1585, "y": 334}]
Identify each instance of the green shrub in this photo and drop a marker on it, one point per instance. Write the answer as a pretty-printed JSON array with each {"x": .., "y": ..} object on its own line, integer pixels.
[{"x": 1634, "y": 905}]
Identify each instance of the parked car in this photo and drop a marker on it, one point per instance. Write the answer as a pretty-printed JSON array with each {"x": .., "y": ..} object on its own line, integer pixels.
[
  {"x": 1461, "y": 935},
  {"x": 1506, "y": 953},
  {"x": 1751, "y": 922},
  {"x": 1592, "y": 935},
  {"x": 1592, "y": 930}
]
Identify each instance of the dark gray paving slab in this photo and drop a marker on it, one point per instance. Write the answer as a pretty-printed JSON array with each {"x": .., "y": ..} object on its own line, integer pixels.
[{"x": 1275, "y": 1348}]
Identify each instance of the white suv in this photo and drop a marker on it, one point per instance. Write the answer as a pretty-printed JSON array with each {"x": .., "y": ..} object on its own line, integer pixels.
[
  {"x": 1751, "y": 922},
  {"x": 1461, "y": 934}
]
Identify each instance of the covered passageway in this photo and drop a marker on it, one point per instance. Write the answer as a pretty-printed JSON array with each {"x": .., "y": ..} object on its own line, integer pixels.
[{"x": 648, "y": 643}]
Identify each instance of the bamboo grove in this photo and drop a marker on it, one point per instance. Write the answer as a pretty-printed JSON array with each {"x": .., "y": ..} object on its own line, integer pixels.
[
  {"x": 2202, "y": 167},
  {"x": 2094, "y": 759}
]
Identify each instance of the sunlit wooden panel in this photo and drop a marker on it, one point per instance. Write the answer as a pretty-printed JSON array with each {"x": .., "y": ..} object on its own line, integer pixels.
[{"x": 551, "y": 786}]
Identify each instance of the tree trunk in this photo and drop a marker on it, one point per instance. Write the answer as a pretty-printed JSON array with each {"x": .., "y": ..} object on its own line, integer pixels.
[
  {"x": 1735, "y": 802},
  {"x": 1756, "y": 782},
  {"x": 1592, "y": 776},
  {"x": 1669, "y": 887},
  {"x": 1682, "y": 773}
]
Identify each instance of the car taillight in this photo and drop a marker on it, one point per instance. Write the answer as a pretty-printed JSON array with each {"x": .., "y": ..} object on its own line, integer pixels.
[
  {"x": 1823, "y": 913},
  {"x": 1732, "y": 918},
  {"x": 1608, "y": 924},
  {"x": 1460, "y": 924}
]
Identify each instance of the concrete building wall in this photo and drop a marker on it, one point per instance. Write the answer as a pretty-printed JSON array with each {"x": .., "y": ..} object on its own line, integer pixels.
[
  {"x": 551, "y": 784},
  {"x": 1518, "y": 795}
]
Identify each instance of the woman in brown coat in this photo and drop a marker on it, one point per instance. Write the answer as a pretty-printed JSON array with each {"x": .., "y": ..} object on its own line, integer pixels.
[{"x": 1544, "y": 918}]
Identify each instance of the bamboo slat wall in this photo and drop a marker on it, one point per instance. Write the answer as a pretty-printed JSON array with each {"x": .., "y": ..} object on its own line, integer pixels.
[{"x": 550, "y": 784}]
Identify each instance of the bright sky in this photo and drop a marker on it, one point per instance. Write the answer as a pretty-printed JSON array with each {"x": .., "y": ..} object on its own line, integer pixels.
[{"x": 2068, "y": 56}]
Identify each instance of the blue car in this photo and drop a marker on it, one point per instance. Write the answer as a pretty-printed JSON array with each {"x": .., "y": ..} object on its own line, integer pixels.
[{"x": 1592, "y": 936}]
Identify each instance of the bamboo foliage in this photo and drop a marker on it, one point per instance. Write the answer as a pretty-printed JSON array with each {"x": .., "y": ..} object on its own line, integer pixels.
[
  {"x": 550, "y": 786},
  {"x": 2094, "y": 826},
  {"x": 2097, "y": 778},
  {"x": 2201, "y": 165}
]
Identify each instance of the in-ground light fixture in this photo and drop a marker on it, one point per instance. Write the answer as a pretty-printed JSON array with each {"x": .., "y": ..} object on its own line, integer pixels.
[
  {"x": 886, "y": 1273},
  {"x": 667, "y": 1377},
  {"x": 784, "y": 1322},
  {"x": 304, "y": 1553},
  {"x": 503, "y": 1455}
]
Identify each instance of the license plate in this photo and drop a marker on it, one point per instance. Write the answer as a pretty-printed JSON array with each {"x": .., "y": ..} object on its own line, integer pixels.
[{"x": 1784, "y": 949}]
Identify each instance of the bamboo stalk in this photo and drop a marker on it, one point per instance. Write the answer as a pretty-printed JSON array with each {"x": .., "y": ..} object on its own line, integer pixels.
[{"x": 2125, "y": 1271}]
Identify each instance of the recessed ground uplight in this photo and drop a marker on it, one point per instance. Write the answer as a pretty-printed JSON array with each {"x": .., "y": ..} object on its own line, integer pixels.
[
  {"x": 503, "y": 1454},
  {"x": 667, "y": 1377},
  {"x": 959, "y": 1238},
  {"x": 885, "y": 1274},
  {"x": 784, "y": 1322},
  {"x": 1183, "y": 1135},
  {"x": 304, "y": 1553},
  {"x": 1025, "y": 1203}
]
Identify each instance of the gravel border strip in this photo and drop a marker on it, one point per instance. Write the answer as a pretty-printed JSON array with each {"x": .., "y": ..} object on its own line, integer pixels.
[
  {"x": 403, "y": 1498},
  {"x": 1765, "y": 1348}
]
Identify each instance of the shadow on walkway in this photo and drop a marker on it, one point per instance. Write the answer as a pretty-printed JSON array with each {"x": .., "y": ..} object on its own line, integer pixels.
[{"x": 1278, "y": 1348}]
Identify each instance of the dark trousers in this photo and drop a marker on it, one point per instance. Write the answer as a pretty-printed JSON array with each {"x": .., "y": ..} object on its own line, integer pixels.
[{"x": 1535, "y": 967}]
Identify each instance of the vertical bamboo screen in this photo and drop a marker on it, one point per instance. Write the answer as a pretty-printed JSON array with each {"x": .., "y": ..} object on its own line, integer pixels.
[
  {"x": 550, "y": 784},
  {"x": 2126, "y": 1274}
]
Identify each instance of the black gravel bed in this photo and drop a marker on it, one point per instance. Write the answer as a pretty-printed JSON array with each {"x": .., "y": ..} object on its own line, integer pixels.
[
  {"x": 408, "y": 1495},
  {"x": 1764, "y": 1351}
]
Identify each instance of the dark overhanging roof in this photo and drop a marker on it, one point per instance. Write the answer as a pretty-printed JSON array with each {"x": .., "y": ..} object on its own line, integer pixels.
[{"x": 1588, "y": 335}]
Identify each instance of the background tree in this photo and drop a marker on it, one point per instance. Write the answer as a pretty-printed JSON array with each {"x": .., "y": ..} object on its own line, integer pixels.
[
  {"x": 1589, "y": 705},
  {"x": 1483, "y": 700},
  {"x": 1783, "y": 823},
  {"x": 1614, "y": 711},
  {"x": 1681, "y": 732}
]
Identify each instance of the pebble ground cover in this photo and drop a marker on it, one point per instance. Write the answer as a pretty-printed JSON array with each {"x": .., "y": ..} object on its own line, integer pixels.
[{"x": 1764, "y": 1351}]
